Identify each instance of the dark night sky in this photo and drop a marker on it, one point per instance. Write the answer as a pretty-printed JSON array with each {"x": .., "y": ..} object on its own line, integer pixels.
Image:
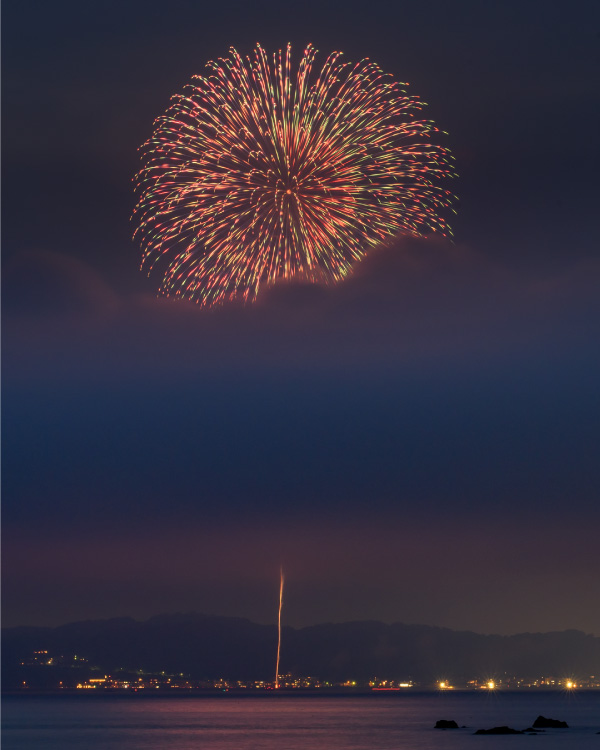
[{"x": 420, "y": 443}]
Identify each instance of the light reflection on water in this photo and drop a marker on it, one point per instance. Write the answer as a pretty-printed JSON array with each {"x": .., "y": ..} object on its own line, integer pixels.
[{"x": 401, "y": 722}]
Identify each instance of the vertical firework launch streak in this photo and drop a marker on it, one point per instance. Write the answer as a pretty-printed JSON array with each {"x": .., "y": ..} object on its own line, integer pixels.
[
  {"x": 259, "y": 171},
  {"x": 279, "y": 628}
]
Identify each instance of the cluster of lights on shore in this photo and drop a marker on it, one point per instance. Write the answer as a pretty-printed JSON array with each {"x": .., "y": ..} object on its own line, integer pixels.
[
  {"x": 286, "y": 681},
  {"x": 488, "y": 685},
  {"x": 492, "y": 685}
]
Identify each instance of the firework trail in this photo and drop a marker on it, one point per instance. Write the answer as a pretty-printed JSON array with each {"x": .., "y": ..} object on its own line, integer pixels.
[
  {"x": 281, "y": 579},
  {"x": 258, "y": 172}
]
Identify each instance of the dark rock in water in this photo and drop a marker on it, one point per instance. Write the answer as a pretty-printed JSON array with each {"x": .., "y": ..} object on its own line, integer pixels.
[
  {"x": 531, "y": 729},
  {"x": 499, "y": 730},
  {"x": 445, "y": 724},
  {"x": 543, "y": 723}
]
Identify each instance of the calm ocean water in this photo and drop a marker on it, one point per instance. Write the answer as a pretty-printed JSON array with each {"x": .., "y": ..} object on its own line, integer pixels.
[{"x": 398, "y": 722}]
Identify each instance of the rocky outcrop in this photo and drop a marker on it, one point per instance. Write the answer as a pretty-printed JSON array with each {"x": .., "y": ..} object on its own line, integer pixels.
[
  {"x": 543, "y": 723},
  {"x": 499, "y": 730},
  {"x": 446, "y": 724}
]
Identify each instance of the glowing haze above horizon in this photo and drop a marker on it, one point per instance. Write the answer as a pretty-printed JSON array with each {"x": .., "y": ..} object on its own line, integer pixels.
[{"x": 418, "y": 443}]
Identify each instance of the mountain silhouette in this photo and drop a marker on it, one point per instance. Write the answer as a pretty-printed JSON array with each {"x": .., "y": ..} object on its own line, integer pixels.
[{"x": 209, "y": 647}]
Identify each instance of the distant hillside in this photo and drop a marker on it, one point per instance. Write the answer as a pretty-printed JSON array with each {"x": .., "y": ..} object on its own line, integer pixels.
[{"x": 210, "y": 647}]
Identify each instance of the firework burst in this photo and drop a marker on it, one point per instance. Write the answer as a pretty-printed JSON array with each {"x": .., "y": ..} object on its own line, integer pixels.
[{"x": 257, "y": 173}]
